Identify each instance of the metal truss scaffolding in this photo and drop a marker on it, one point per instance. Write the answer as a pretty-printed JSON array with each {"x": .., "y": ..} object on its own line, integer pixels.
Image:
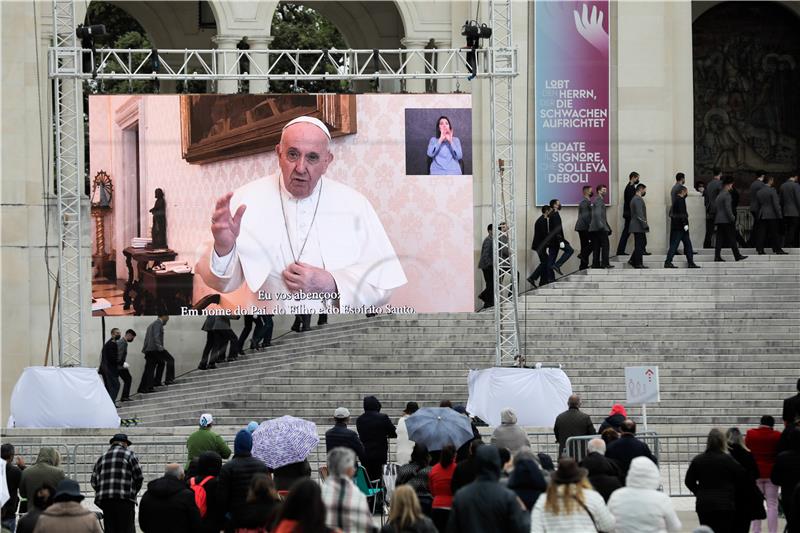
[
  {"x": 68, "y": 120},
  {"x": 68, "y": 64},
  {"x": 501, "y": 96}
]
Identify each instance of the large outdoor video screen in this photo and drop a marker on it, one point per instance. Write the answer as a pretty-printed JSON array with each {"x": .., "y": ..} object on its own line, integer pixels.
[{"x": 281, "y": 204}]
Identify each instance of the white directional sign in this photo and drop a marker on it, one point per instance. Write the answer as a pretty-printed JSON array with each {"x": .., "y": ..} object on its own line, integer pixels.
[{"x": 641, "y": 384}]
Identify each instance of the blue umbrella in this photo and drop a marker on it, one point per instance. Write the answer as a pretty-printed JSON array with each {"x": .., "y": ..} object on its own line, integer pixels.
[{"x": 435, "y": 427}]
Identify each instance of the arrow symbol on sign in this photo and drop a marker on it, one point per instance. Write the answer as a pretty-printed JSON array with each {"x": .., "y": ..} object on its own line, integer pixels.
[{"x": 649, "y": 373}]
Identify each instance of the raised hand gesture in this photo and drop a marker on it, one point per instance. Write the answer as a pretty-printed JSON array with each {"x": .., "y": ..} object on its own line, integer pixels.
[{"x": 224, "y": 226}]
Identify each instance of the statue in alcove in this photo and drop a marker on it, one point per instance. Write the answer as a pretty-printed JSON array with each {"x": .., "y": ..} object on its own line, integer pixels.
[{"x": 159, "y": 211}]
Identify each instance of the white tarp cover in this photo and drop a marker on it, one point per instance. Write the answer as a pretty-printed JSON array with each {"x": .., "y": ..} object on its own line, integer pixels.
[
  {"x": 52, "y": 397},
  {"x": 537, "y": 395}
]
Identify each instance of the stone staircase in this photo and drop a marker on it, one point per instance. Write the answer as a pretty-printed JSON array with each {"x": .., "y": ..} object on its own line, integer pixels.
[{"x": 725, "y": 337}]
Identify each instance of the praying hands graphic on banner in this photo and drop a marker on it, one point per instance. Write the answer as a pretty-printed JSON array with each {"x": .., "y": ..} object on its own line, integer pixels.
[{"x": 591, "y": 28}]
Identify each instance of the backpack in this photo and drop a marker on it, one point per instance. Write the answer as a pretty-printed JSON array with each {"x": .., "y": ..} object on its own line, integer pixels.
[{"x": 200, "y": 494}]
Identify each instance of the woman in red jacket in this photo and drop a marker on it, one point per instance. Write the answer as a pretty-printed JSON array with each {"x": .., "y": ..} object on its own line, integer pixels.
[
  {"x": 763, "y": 444},
  {"x": 439, "y": 482}
]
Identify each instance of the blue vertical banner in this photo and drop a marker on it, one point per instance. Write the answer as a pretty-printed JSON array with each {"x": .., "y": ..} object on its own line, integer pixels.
[{"x": 572, "y": 70}]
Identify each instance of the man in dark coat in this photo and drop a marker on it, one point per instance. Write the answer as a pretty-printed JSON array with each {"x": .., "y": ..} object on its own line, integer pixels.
[
  {"x": 715, "y": 478},
  {"x": 638, "y": 226},
  {"x": 109, "y": 364},
  {"x": 122, "y": 365},
  {"x": 8, "y": 514},
  {"x": 168, "y": 505},
  {"x": 771, "y": 217},
  {"x": 543, "y": 237},
  {"x": 725, "y": 219},
  {"x": 790, "y": 204},
  {"x": 582, "y": 227},
  {"x": 710, "y": 200},
  {"x": 486, "y": 266},
  {"x": 600, "y": 230},
  {"x": 486, "y": 505},
  {"x": 236, "y": 474},
  {"x": 786, "y": 474},
  {"x": 604, "y": 473},
  {"x": 467, "y": 470},
  {"x": 560, "y": 243},
  {"x": 791, "y": 407},
  {"x": 630, "y": 191},
  {"x": 679, "y": 230},
  {"x": 572, "y": 423},
  {"x": 374, "y": 430},
  {"x": 755, "y": 207},
  {"x": 341, "y": 437},
  {"x": 626, "y": 447}
]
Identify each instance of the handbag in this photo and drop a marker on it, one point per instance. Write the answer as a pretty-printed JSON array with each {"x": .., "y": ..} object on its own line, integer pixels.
[{"x": 594, "y": 523}]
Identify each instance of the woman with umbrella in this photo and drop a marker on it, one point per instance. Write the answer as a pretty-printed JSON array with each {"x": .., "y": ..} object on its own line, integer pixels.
[{"x": 284, "y": 445}]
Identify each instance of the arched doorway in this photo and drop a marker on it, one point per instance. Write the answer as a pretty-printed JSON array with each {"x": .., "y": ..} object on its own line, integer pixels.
[{"x": 746, "y": 63}]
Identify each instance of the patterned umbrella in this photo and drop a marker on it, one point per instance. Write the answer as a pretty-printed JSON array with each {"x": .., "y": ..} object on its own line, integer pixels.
[
  {"x": 285, "y": 440},
  {"x": 436, "y": 427}
]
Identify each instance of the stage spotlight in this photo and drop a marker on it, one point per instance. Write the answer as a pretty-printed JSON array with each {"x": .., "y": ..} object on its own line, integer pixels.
[{"x": 474, "y": 32}]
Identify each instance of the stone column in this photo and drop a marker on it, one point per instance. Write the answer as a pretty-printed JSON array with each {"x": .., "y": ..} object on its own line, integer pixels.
[
  {"x": 226, "y": 62},
  {"x": 259, "y": 62},
  {"x": 444, "y": 85},
  {"x": 415, "y": 65}
]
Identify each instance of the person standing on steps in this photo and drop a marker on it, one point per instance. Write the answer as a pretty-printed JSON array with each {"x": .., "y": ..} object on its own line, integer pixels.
[
  {"x": 600, "y": 230},
  {"x": 725, "y": 220},
  {"x": 770, "y": 218},
  {"x": 630, "y": 191},
  {"x": 582, "y": 227},
  {"x": 156, "y": 357},
  {"x": 679, "y": 230},
  {"x": 542, "y": 244},
  {"x": 205, "y": 440},
  {"x": 122, "y": 369},
  {"x": 486, "y": 266},
  {"x": 710, "y": 194},
  {"x": 639, "y": 226},
  {"x": 755, "y": 207},
  {"x": 790, "y": 203},
  {"x": 559, "y": 242}
]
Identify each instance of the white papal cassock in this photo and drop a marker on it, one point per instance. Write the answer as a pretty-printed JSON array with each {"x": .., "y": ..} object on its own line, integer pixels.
[{"x": 346, "y": 238}]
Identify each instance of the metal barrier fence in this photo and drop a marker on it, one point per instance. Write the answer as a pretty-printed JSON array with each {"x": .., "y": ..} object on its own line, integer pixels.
[
  {"x": 673, "y": 452},
  {"x": 29, "y": 453}
]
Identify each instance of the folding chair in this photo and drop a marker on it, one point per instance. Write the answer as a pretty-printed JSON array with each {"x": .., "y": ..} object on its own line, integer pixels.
[{"x": 369, "y": 488}]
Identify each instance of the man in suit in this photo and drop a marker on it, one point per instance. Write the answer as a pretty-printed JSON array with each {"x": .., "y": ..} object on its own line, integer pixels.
[
  {"x": 639, "y": 226},
  {"x": 600, "y": 230},
  {"x": 680, "y": 181},
  {"x": 710, "y": 194},
  {"x": 122, "y": 365},
  {"x": 790, "y": 203},
  {"x": 485, "y": 265},
  {"x": 582, "y": 226},
  {"x": 791, "y": 407},
  {"x": 154, "y": 353},
  {"x": 679, "y": 230},
  {"x": 559, "y": 242},
  {"x": 770, "y": 216},
  {"x": 630, "y": 191},
  {"x": 725, "y": 220},
  {"x": 755, "y": 207},
  {"x": 542, "y": 238}
]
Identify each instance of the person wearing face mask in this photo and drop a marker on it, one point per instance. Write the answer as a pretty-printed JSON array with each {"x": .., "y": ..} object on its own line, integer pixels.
[
  {"x": 630, "y": 191},
  {"x": 638, "y": 226},
  {"x": 679, "y": 230},
  {"x": 300, "y": 232},
  {"x": 582, "y": 227}
]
